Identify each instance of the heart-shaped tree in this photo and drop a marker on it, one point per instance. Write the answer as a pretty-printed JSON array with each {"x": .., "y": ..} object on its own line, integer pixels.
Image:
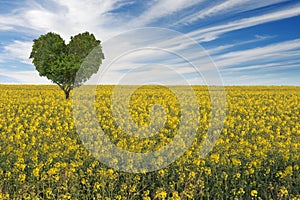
[{"x": 60, "y": 62}]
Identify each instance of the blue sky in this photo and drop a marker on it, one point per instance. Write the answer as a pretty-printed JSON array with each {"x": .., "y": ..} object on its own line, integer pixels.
[{"x": 252, "y": 42}]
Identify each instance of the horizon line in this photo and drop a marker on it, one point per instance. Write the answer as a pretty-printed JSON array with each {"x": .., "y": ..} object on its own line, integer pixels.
[{"x": 225, "y": 85}]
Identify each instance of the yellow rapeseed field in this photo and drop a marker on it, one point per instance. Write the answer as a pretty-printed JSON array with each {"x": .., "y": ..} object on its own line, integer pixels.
[{"x": 256, "y": 157}]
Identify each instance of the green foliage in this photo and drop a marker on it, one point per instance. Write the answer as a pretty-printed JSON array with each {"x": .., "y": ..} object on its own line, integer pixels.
[{"x": 60, "y": 62}]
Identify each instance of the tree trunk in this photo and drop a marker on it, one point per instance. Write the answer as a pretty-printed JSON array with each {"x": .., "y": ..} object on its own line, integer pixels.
[{"x": 67, "y": 93}]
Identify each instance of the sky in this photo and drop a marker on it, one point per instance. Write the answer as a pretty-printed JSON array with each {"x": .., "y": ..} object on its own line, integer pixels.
[{"x": 246, "y": 42}]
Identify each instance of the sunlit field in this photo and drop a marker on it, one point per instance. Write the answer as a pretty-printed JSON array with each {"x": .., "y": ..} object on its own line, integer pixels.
[{"x": 257, "y": 155}]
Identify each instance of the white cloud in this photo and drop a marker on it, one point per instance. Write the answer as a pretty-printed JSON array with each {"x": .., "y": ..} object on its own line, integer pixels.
[
  {"x": 211, "y": 33},
  {"x": 4, "y": 27},
  {"x": 161, "y": 9},
  {"x": 274, "y": 52},
  {"x": 65, "y": 17},
  {"x": 214, "y": 10},
  {"x": 7, "y": 22},
  {"x": 25, "y": 77},
  {"x": 227, "y": 8},
  {"x": 255, "y": 79},
  {"x": 18, "y": 50},
  {"x": 265, "y": 67}
]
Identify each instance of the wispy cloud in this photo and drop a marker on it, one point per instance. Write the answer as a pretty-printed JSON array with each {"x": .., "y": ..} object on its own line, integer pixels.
[
  {"x": 273, "y": 52},
  {"x": 9, "y": 22},
  {"x": 64, "y": 17},
  {"x": 160, "y": 9},
  {"x": 266, "y": 58},
  {"x": 213, "y": 32},
  {"x": 284, "y": 65},
  {"x": 17, "y": 50},
  {"x": 227, "y": 8},
  {"x": 24, "y": 77}
]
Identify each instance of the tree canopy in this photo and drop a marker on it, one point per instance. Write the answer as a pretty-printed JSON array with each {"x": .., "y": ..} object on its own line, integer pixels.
[{"x": 60, "y": 62}]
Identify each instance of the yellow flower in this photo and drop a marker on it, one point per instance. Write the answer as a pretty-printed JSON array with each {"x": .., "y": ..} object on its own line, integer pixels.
[
  {"x": 83, "y": 181},
  {"x": 36, "y": 172},
  {"x": 110, "y": 172},
  {"x": 254, "y": 193},
  {"x": 192, "y": 175},
  {"x": 163, "y": 194},
  {"x": 67, "y": 196},
  {"x": 288, "y": 171},
  {"x": 237, "y": 175},
  {"x": 175, "y": 196},
  {"x": 22, "y": 177},
  {"x": 161, "y": 172},
  {"x": 236, "y": 162},
  {"x": 215, "y": 157},
  {"x": 52, "y": 171},
  {"x": 284, "y": 191}
]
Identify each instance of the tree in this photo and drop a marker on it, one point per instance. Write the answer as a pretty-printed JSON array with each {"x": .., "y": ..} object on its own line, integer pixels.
[{"x": 60, "y": 62}]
